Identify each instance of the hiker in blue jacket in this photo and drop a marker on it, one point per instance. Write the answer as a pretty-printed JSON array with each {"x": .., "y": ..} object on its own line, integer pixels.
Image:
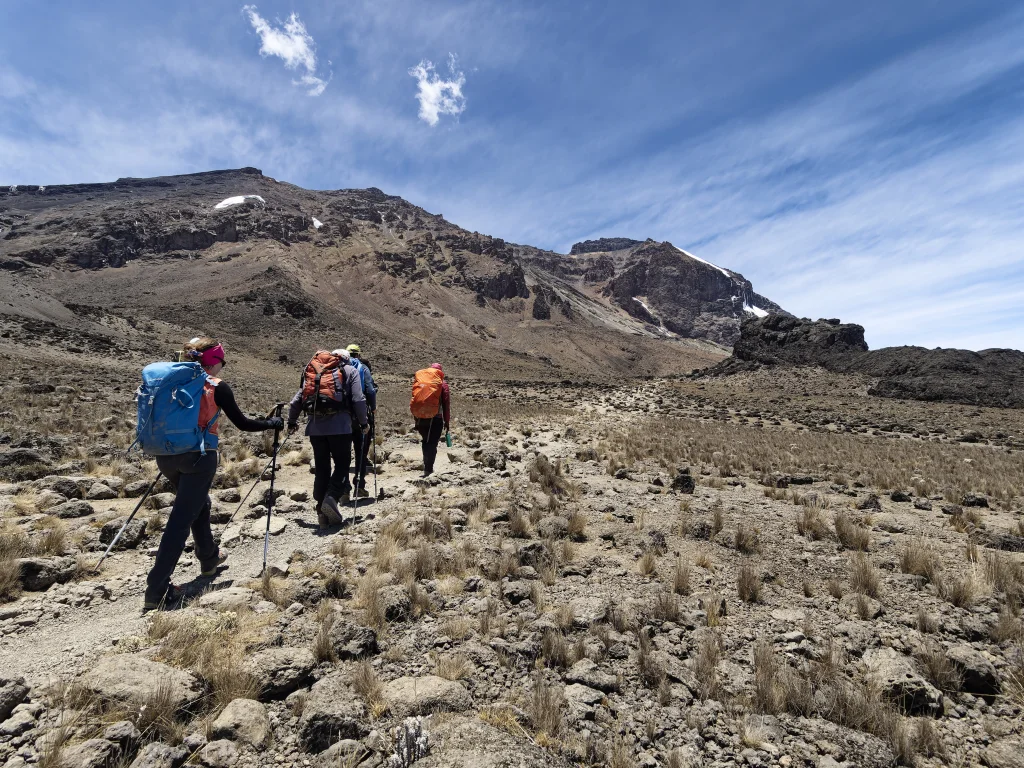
[{"x": 362, "y": 442}]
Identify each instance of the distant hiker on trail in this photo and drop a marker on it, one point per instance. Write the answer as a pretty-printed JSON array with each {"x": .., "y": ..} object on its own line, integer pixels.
[
  {"x": 431, "y": 407},
  {"x": 361, "y": 444},
  {"x": 331, "y": 396},
  {"x": 187, "y": 457}
]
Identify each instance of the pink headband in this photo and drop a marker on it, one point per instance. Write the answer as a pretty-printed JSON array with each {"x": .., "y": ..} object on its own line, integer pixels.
[{"x": 212, "y": 356}]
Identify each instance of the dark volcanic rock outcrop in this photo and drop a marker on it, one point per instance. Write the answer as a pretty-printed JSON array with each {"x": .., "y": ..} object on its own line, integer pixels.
[
  {"x": 992, "y": 377},
  {"x": 604, "y": 244},
  {"x": 687, "y": 296}
]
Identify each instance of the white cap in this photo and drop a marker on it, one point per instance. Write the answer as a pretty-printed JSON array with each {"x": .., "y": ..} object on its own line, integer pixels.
[{"x": 342, "y": 353}]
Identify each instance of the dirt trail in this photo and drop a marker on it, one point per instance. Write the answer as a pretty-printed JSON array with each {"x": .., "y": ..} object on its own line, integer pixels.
[{"x": 66, "y": 639}]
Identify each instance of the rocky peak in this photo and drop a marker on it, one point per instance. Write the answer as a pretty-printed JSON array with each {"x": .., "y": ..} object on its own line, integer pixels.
[{"x": 603, "y": 245}]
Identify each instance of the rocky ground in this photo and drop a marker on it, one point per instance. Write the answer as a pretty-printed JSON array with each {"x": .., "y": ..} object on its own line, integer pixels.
[{"x": 671, "y": 573}]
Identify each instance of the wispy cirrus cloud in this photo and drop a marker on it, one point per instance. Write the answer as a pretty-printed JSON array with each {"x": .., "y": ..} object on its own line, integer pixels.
[
  {"x": 291, "y": 43},
  {"x": 436, "y": 95}
]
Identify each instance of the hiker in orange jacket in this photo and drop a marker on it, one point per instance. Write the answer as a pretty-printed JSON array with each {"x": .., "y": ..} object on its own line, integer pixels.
[{"x": 432, "y": 428}]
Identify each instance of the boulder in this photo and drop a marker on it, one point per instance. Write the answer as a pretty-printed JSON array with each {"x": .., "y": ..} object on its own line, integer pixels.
[
  {"x": 129, "y": 680},
  {"x": 581, "y": 700},
  {"x": 586, "y": 672},
  {"x": 71, "y": 487},
  {"x": 258, "y": 528},
  {"x": 395, "y": 602},
  {"x": 72, "y": 509},
  {"x": 124, "y": 734},
  {"x": 332, "y": 712},
  {"x": 895, "y": 677},
  {"x": 93, "y": 753},
  {"x": 157, "y": 755},
  {"x": 219, "y": 754},
  {"x": 133, "y": 534},
  {"x": 279, "y": 671},
  {"x": 974, "y": 500},
  {"x": 684, "y": 482},
  {"x": 1004, "y": 753},
  {"x": 587, "y": 610},
  {"x": 352, "y": 641},
  {"x": 977, "y": 674},
  {"x": 243, "y": 720},
  {"x": 160, "y": 500},
  {"x": 553, "y": 527},
  {"x": 100, "y": 492},
  {"x": 424, "y": 695},
  {"x": 18, "y": 723},
  {"x": 135, "y": 488},
  {"x": 13, "y": 691},
  {"x": 41, "y": 573},
  {"x": 901, "y": 497},
  {"x": 228, "y": 599}
]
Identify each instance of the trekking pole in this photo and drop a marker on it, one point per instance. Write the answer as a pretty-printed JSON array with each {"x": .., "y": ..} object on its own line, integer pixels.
[
  {"x": 373, "y": 438},
  {"x": 273, "y": 474},
  {"x": 355, "y": 489},
  {"x": 138, "y": 506},
  {"x": 259, "y": 479}
]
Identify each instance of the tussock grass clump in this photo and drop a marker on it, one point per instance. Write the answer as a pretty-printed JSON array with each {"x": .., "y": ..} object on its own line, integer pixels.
[
  {"x": 681, "y": 577},
  {"x": 920, "y": 559},
  {"x": 851, "y": 534},
  {"x": 367, "y": 686},
  {"x": 453, "y": 667},
  {"x": 548, "y": 475},
  {"x": 652, "y": 673},
  {"x": 748, "y": 540},
  {"x": 546, "y": 705},
  {"x": 864, "y": 577},
  {"x": 938, "y": 669},
  {"x": 555, "y": 650},
  {"x": 835, "y": 588},
  {"x": 666, "y": 607},
  {"x": 647, "y": 564},
  {"x": 705, "y": 666},
  {"x": 959, "y": 590},
  {"x": 811, "y": 524},
  {"x": 577, "y": 526},
  {"x": 748, "y": 584}
]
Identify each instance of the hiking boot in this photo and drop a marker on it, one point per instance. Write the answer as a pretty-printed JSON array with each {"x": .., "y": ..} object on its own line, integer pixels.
[
  {"x": 330, "y": 509},
  {"x": 362, "y": 493},
  {"x": 322, "y": 521},
  {"x": 346, "y": 496},
  {"x": 222, "y": 558},
  {"x": 172, "y": 597}
]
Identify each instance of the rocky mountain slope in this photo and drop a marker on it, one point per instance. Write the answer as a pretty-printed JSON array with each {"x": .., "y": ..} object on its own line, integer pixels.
[
  {"x": 661, "y": 285},
  {"x": 991, "y": 377},
  {"x": 141, "y": 261}
]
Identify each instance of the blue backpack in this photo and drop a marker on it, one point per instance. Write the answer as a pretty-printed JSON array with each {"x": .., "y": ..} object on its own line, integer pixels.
[{"x": 169, "y": 402}]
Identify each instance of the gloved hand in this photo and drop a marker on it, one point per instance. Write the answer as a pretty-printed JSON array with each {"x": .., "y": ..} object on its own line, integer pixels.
[
  {"x": 275, "y": 422},
  {"x": 365, "y": 429},
  {"x": 293, "y": 427}
]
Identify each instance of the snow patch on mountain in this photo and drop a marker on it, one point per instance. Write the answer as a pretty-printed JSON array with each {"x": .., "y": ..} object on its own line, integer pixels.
[
  {"x": 317, "y": 223},
  {"x": 238, "y": 200},
  {"x": 755, "y": 311},
  {"x": 702, "y": 261}
]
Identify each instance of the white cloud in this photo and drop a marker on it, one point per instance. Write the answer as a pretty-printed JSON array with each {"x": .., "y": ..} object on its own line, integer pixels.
[
  {"x": 436, "y": 96},
  {"x": 292, "y": 44}
]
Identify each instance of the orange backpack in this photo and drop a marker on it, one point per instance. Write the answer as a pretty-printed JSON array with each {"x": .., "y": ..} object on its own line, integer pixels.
[
  {"x": 323, "y": 384},
  {"x": 426, "y": 394}
]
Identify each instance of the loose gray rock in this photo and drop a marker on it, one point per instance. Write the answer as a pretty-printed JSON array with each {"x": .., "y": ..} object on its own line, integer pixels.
[
  {"x": 586, "y": 672},
  {"x": 13, "y": 691},
  {"x": 332, "y": 712},
  {"x": 229, "y": 599},
  {"x": 395, "y": 603},
  {"x": 978, "y": 676},
  {"x": 133, "y": 534},
  {"x": 423, "y": 695},
  {"x": 157, "y": 755},
  {"x": 130, "y": 679},
  {"x": 219, "y": 754},
  {"x": 94, "y": 753},
  {"x": 243, "y": 720},
  {"x": 100, "y": 492},
  {"x": 124, "y": 734},
  {"x": 899, "y": 682},
  {"x": 351, "y": 641},
  {"x": 468, "y": 741},
  {"x": 72, "y": 509},
  {"x": 279, "y": 671},
  {"x": 40, "y": 573},
  {"x": 1005, "y": 753},
  {"x": 17, "y": 724}
]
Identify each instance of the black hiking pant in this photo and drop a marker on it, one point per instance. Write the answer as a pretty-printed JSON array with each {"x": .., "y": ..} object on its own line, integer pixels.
[
  {"x": 328, "y": 482},
  {"x": 191, "y": 474},
  {"x": 361, "y": 450},
  {"x": 430, "y": 431}
]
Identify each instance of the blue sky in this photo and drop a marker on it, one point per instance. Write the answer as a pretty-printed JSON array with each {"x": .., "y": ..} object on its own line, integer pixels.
[{"x": 854, "y": 160}]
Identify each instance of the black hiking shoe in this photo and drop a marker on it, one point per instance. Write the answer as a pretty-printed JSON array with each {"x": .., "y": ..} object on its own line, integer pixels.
[
  {"x": 172, "y": 598},
  {"x": 221, "y": 558}
]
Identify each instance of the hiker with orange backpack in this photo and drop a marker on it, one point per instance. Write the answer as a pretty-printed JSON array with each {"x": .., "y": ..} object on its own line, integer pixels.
[
  {"x": 179, "y": 404},
  {"x": 431, "y": 407},
  {"x": 331, "y": 396}
]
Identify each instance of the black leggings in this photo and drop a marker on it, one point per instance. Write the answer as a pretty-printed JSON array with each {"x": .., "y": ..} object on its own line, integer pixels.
[
  {"x": 327, "y": 482},
  {"x": 430, "y": 431},
  {"x": 191, "y": 474},
  {"x": 361, "y": 452}
]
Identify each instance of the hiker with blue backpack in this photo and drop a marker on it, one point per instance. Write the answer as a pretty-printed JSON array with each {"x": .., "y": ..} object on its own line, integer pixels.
[
  {"x": 331, "y": 395},
  {"x": 360, "y": 443},
  {"x": 179, "y": 407}
]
